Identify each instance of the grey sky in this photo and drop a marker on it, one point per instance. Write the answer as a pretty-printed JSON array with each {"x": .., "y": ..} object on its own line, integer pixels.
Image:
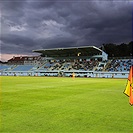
[{"x": 27, "y": 25}]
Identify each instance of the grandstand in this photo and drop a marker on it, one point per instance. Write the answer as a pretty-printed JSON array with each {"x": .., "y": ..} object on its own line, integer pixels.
[{"x": 88, "y": 61}]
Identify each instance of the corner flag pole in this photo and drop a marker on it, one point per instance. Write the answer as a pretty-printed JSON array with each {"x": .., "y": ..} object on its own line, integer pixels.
[{"x": 131, "y": 88}]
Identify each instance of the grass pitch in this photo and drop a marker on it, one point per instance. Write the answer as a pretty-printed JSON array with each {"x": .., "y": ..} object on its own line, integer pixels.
[{"x": 64, "y": 105}]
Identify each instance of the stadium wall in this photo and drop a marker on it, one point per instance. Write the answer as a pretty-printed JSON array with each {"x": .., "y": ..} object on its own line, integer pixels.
[{"x": 88, "y": 74}]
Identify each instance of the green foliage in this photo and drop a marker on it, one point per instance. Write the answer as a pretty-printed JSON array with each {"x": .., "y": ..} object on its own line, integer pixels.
[
  {"x": 63, "y": 105},
  {"x": 121, "y": 50}
]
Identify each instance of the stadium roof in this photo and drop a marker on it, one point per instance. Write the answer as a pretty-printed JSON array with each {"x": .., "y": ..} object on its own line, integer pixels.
[{"x": 70, "y": 51}]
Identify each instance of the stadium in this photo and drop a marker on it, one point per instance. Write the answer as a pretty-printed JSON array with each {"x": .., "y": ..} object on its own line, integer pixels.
[
  {"x": 75, "y": 89},
  {"x": 66, "y": 66},
  {"x": 87, "y": 61}
]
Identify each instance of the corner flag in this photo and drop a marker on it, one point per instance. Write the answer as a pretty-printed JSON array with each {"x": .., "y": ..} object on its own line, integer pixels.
[{"x": 129, "y": 89}]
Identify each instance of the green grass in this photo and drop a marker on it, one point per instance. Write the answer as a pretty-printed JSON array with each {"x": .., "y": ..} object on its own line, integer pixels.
[{"x": 64, "y": 105}]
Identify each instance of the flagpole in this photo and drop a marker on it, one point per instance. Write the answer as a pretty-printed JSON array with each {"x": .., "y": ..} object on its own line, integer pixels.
[
  {"x": 132, "y": 63},
  {"x": 131, "y": 92}
]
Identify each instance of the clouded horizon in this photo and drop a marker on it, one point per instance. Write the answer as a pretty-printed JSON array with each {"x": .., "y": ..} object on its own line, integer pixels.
[{"x": 29, "y": 25}]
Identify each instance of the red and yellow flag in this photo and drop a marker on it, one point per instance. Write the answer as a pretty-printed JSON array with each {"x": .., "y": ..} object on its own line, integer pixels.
[{"x": 129, "y": 89}]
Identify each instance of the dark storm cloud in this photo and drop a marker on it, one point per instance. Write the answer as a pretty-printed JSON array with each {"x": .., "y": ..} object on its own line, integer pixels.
[
  {"x": 28, "y": 25},
  {"x": 17, "y": 43}
]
